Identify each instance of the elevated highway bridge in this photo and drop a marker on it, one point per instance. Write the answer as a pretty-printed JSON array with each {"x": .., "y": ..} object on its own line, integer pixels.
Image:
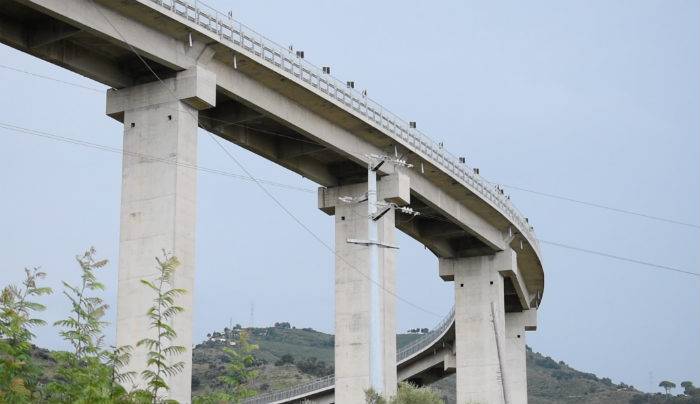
[{"x": 176, "y": 65}]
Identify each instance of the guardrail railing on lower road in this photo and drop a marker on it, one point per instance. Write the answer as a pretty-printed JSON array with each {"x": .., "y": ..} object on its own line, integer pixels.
[{"x": 327, "y": 382}]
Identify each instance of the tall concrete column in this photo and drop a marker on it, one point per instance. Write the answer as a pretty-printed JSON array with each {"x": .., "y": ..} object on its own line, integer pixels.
[
  {"x": 479, "y": 325},
  {"x": 158, "y": 206},
  {"x": 516, "y": 380},
  {"x": 352, "y": 287}
]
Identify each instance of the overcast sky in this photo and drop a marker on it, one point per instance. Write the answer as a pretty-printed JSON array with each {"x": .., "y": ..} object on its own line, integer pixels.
[{"x": 594, "y": 100}]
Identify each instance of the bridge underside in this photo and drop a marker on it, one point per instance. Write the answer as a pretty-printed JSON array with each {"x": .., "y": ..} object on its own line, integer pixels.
[{"x": 86, "y": 52}]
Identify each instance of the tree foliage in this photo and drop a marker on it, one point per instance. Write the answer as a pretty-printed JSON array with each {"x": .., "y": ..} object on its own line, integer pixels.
[
  {"x": 239, "y": 373},
  {"x": 407, "y": 394},
  {"x": 667, "y": 386},
  {"x": 161, "y": 350},
  {"x": 690, "y": 389},
  {"x": 18, "y": 374},
  {"x": 88, "y": 374},
  {"x": 83, "y": 327}
]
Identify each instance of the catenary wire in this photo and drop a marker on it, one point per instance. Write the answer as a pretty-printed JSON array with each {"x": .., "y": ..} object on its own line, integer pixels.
[
  {"x": 260, "y": 185},
  {"x": 97, "y": 146},
  {"x": 302, "y": 140},
  {"x": 601, "y": 206},
  {"x": 619, "y": 258},
  {"x": 258, "y": 181}
]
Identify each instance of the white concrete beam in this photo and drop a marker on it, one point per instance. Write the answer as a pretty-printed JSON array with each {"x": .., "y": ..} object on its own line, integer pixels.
[
  {"x": 508, "y": 267},
  {"x": 196, "y": 87},
  {"x": 105, "y": 22}
]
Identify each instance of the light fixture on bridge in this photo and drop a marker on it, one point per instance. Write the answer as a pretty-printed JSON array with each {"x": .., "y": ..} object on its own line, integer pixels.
[
  {"x": 230, "y": 15},
  {"x": 412, "y": 124},
  {"x": 326, "y": 69},
  {"x": 476, "y": 171},
  {"x": 300, "y": 54},
  {"x": 462, "y": 160},
  {"x": 351, "y": 84},
  {"x": 364, "y": 93}
]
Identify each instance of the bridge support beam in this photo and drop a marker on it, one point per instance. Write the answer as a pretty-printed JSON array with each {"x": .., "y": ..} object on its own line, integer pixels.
[
  {"x": 479, "y": 326},
  {"x": 158, "y": 206},
  {"x": 353, "y": 286}
]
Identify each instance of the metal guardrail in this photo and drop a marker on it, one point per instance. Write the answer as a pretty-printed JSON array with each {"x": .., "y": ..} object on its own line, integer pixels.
[
  {"x": 296, "y": 391},
  {"x": 284, "y": 60},
  {"x": 426, "y": 339},
  {"x": 329, "y": 381}
]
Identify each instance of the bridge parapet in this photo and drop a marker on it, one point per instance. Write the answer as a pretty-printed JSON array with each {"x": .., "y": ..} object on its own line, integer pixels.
[{"x": 294, "y": 66}]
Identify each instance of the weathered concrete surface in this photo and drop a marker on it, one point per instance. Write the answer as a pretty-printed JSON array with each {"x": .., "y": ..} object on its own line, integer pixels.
[
  {"x": 479, "y": 325},
  {"x": 516, "y": 371},
  {"x": 352, "y": 291},
  {"x": 158, "y": 210}
]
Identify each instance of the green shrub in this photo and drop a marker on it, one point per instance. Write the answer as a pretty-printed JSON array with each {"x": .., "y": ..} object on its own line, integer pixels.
[{"x": 407, "y": 394}]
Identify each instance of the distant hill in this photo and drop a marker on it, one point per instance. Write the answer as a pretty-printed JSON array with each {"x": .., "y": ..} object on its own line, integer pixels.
[
  {"x": 549, "y": 381},
  {"x": 288, "y": 356}
]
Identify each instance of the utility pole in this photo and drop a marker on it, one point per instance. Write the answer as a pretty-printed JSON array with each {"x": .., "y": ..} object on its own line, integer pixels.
[
  {"x": 375, "y": 343},
  {"x": 376, "y": 359}
]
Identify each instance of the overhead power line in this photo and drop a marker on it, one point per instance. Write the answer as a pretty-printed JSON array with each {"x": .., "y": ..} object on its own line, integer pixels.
[
  {"x": 600, "y": 206},
  {"x": 617, "y": 257},
  {"x": 515, "y": 187},
  {"x": 97, "y": 90},
  {"x": 258, "y": 183},
  {"x": 97, "y": 146}
]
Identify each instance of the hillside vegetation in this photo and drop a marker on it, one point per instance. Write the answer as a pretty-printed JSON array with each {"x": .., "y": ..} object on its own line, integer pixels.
[{"x": 288, "y": 356}]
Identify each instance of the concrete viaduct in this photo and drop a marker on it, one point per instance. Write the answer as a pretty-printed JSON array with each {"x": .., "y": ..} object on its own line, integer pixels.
[{"x": 175, "y": 65}]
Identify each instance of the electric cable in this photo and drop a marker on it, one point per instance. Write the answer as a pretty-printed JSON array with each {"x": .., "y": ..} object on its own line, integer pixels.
[
  {"x": 259, "y": 184},
  {"x": 322, "y": 147}
]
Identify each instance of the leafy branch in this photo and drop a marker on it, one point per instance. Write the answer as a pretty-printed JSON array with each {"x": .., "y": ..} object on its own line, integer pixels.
[{"x": 161, "y": 348}]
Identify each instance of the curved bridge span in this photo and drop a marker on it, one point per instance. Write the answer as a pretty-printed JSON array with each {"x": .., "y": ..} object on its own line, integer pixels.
[
  {"x": 428, "y": 358},
  {"x": 175, "y": 66}
]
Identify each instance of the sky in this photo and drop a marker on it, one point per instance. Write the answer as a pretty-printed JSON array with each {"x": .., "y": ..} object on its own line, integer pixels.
[{"x": 593, "y": 100}]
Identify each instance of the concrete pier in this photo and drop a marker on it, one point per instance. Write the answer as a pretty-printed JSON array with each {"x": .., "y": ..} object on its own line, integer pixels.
[
  {"x": 158, "y": 207},
  {"x": 352, "y": 287},
  {"x": 479, "y": 325}
]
